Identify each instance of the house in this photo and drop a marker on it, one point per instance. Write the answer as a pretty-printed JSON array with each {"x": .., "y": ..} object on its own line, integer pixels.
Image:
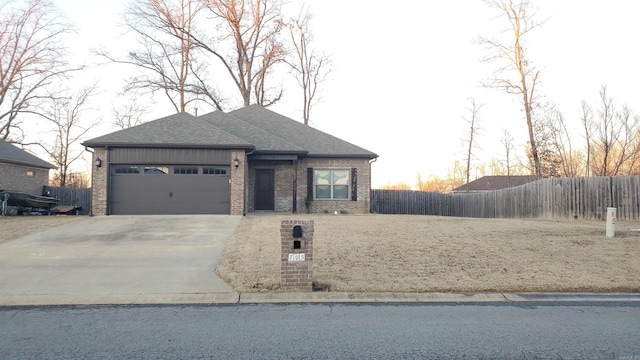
[
  {"x": 21, "y": 170},
  {"x": 247, "y": 160},
  {"x": 491, "y": 183}
]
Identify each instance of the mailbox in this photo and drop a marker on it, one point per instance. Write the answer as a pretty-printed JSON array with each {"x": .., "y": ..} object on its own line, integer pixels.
[
  {"x": 297, "y": 231},
  {"x": 297, "y": 234}
]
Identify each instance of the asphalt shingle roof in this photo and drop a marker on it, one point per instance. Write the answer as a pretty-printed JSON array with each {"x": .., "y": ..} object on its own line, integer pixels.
[
  {"x": 252, "y": 127},
  {"x": 177, "y": 130},
  {"x": 263, "y": 141},
  {"x": 487, "y": 183},
  {"x": 316, "y": 142},
  {"x": 11, "y": 154}
]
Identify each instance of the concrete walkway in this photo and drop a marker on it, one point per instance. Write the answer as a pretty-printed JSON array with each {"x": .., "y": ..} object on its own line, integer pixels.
[{"x": 119, "y": 260}]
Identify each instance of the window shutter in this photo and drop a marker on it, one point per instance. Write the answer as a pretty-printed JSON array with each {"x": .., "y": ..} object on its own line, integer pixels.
[
  {"x": 310, "y": 183},
  {"x": 354, "y": 184}
]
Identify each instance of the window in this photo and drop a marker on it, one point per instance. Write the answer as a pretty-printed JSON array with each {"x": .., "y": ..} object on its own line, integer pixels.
[
  {"x": 162, "y": 170},
  {"x": 331, "y": 184},
  {"x": 214, "y": 170},
  {"x": 185, "y": 170},
  {"x": 31, "y": 173},
  {"x": 125, "y": 169}
]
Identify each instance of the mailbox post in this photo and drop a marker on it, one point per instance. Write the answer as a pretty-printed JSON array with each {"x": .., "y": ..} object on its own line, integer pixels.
[{"x": 296, "y": 271}]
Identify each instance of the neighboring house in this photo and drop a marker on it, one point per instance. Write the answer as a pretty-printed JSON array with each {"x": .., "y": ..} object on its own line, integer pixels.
[
  {"x": 491, "y": 183},
  {"x": 244, "y": 161},
  {"x": 21, "y": 170}
]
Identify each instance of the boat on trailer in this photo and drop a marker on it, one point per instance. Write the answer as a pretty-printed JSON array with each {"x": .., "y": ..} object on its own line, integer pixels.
[{"x": 24, "y": 200}]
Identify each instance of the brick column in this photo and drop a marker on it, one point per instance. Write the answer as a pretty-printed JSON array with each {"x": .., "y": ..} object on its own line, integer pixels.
[
  {"x": 238, "y": 183},
  {"x": 296, "y": 271},
  {"x": 99, "y": 182}
]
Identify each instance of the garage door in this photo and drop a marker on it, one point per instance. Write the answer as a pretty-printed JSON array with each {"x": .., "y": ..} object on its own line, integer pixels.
[{"x": 141, "y": 189}]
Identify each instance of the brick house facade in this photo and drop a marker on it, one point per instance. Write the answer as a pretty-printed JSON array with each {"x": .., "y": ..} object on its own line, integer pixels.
[
  {"x": 263, "y": 162},
  {"x": 22, "y": 171},
  {"x": 27, "y": 179},
  {"x": 288, "y": 182}
]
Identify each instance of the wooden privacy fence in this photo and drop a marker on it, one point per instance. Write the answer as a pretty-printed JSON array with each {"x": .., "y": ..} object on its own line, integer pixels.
[
  {"x": 580, "y": 198},
  {"x": 409, "y": 202},
  {"x": 71, "y": 197}
]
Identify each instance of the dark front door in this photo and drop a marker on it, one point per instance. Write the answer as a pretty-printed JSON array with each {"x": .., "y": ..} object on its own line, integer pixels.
[{"x": 265, "y": 189}]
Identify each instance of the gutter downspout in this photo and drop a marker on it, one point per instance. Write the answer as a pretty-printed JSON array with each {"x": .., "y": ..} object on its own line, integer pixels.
[
  {"x": 245, "y": 180},
  {"x": 370, "y": 177},
  {"x": 87, "y": 149},
  {"x": 295, "y": 185},
  {"x": 108, "y": 175}
]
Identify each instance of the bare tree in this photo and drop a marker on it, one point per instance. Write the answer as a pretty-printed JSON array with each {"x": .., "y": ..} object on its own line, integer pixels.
[
  {"x": 586, "y": 118},
  {"x": 78, "y": 180},
  {"x": 473, "y": 121},
  {"x": 433, "y": 183},
  {"x": 513, "y": 60},
  {"x": 309, "y": 67},
  {"x": 497, "y": 167},
  {"x": 166, "y": 59},
  {"x": 560, "y": 137},
  {"x": 263, "y": 92},
  {"x": 130, "y": 114},
  {"x": 507, "y": 142},
  {"x": 396, "y": 186},
  {"x": 549, "y": 160},
  {"x": 627, "y": 148},
  {"x": 456, "y": 175},
  {"x": 249, "y": 46},
  {"x": 66, "y": 115},
  {"x": 607, "y": 132},
  {"x": 616, "y": 144},
  {"x": 32, "y": 58}
]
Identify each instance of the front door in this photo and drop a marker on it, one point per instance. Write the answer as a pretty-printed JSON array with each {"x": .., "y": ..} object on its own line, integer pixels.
[{"x": 265, "y": 189}]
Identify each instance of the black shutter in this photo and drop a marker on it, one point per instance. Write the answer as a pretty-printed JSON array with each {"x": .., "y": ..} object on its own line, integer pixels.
[
  {"x": 310, "y": 183},
  {"x": 354, "y": 184}
]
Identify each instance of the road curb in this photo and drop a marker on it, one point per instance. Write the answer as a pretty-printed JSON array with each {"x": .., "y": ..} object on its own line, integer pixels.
[
  {"x": 323, "y": 297},
  {"x": 540, "y": 296},
  {"x": 118, "y": 299},
  {"x": 303, "y": 297}
]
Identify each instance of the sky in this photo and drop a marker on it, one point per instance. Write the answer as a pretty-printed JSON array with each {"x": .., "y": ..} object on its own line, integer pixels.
[{"x": 404, "y": 72}]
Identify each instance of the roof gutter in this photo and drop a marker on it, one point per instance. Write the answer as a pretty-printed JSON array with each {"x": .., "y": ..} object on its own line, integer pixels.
[{"x": 181, "y": 146}]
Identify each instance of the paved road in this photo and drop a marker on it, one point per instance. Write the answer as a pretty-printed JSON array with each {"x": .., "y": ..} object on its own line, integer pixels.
[{"x": 508, "y": 330}]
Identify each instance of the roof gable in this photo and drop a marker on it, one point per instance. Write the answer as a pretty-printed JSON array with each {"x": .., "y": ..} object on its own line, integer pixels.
[
  {"x": 262, "y": 140},
  {"x": 181, "y": 129},
  {"x": 316, "y": 142},
  {"x": 11, "y": 154}
]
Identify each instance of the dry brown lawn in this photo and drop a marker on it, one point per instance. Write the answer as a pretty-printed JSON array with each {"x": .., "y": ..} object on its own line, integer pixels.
[
  {"x": 14, "y": 227},
  {"x": 403, "y": 253}
]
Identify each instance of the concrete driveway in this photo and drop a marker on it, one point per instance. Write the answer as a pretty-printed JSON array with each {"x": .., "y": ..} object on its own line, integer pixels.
[{"x": 119, "y": 260}]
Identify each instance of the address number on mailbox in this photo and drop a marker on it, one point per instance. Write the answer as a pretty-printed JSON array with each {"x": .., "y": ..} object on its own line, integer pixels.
[{"x": 296, "y": 257}]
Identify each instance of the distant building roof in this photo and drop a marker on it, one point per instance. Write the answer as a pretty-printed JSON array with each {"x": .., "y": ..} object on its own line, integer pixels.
[
  {"x": 12, "y": 154},
  {"x": 490, "y": 183}
]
